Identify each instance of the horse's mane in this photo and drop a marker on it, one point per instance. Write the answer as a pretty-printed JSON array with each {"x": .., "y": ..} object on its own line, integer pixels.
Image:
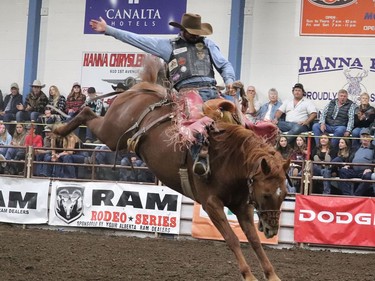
[
  {"x": 238, "y": 148},
  {"x": 153, "y": 71}
]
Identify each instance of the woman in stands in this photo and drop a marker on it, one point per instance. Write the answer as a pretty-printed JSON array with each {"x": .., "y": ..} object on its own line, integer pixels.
[{"x": 322, "y": 153}]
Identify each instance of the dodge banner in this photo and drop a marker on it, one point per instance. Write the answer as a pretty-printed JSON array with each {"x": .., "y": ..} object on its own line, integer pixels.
[
  {"x": 132, "y": 207},
  {"x": 203, "y": 227},
  {"x": 339, "y": 221},
  {"x": 338, "y": 17}
]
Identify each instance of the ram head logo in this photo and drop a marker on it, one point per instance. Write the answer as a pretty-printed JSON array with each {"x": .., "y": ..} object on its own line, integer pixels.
[{"x": 69, "y": 203}]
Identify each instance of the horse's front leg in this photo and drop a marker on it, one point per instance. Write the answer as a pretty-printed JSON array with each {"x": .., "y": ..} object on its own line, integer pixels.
[
  {"x": 215, "y": 210},
  {"x": 245, "y": 216}
]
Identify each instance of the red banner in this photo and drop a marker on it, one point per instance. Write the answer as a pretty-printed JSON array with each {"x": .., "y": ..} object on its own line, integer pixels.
[
  {"x": 338, "y": 17},
  {"x": 203, "y": 227},
  {"x": 335, "y": 221}
]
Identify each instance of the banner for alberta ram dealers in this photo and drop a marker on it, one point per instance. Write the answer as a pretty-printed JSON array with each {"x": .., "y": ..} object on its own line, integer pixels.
[
  {"x": 323, "y": 77},
  {"x": 139, "y": 16},
  {"x": 24, "y": 201},
  {"x": 134, "y": 207}
]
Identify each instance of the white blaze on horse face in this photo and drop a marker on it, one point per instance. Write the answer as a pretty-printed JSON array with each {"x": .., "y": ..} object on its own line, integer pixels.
[{"x": 278, "y": 191}]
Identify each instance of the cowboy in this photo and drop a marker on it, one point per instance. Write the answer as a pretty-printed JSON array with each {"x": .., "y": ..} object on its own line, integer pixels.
[
  {"x": 34, "y": 105},
  {"x": 182, "y": 55}
]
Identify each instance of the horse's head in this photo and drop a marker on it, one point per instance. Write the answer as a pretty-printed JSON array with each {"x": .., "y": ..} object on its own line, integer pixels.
[{"x": 267, "y": 191}]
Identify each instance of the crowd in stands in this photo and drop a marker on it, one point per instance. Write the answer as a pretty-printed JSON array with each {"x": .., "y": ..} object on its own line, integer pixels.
[
  {"x": 343, "y": 134},
  {"x": 29, "y": 123}
]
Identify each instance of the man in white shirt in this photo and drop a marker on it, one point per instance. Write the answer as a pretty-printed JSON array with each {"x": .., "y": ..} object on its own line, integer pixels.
[{"x": 299, "y": 113}]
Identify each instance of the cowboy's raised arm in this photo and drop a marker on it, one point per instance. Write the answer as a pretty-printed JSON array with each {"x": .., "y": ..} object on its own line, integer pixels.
[{"x": 98, "y": 25}]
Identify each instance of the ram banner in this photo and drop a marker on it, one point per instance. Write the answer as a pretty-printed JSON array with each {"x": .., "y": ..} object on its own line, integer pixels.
[{"x": 134, "y": 207}]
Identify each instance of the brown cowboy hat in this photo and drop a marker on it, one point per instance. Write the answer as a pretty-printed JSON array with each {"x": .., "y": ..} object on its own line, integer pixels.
[{"x": 192, "y": 24}]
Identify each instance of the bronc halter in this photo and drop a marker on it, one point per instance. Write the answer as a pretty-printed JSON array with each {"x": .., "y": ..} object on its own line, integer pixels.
[{"x": 270, "y": 216}]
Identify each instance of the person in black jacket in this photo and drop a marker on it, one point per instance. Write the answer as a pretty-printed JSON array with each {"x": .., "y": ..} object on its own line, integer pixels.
[{"x": 9, "y": 110}]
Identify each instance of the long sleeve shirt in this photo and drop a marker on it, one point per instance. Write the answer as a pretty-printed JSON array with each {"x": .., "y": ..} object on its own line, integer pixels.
[{"x": 162, "y": 48}]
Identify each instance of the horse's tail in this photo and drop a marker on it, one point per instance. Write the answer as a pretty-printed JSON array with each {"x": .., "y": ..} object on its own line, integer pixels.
[{"x": 151, "y": 69}]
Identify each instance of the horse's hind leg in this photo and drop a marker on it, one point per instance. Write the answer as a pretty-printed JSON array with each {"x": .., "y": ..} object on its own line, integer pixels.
[
  {"x": 85, "y": 115},
  {"x": 215, "y": 210},
  {"x": 245, "y": 216}
]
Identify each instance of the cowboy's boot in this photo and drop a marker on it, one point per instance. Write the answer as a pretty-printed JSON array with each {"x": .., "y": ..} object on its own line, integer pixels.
[{"x": 201, "y": 166}]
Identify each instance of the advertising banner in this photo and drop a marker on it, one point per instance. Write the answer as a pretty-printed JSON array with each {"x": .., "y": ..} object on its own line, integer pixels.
[
  {"x": 134, "y": 207},
  {"x": 338, "y": 17},
  {"x": 335, "y": 221},
  {"x": 323, "y": 77},
  {"x": 23, "y": 201},
  {"x": 103, "y": 70},
  {"x": 138, "y": 16},
  {"x": 203, "y": 227}
]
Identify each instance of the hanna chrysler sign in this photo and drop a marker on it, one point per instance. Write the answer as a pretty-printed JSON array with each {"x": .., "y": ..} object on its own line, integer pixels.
[{"x": 139, "y": 16}]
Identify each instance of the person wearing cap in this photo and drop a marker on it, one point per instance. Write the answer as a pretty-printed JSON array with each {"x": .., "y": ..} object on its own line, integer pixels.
[
  {"x": 183, "y": 72},
  {"x": 364, "y": 154},
  {"x": 75, "y": 100},
  {"x": 299, "y": 112},
  {"x": 337, "y": 118},
  {"x": 34, "y": 105},
  {"x": 96, "y": 106},
  {"x": 10, "y": 105}
]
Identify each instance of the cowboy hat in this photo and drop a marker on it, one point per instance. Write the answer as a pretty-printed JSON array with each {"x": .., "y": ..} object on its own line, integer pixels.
[
  {"x": 192, "y": 24},
  {"x": 128, "y": 83},
  {"x": 37, "y": 83}
]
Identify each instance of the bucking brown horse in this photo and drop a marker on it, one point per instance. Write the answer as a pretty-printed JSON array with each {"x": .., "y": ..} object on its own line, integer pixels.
[{"x": 246, "y": 171}]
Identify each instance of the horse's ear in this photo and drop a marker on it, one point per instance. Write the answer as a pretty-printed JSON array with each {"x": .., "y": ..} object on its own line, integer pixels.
[
  {"x": 266, "y": 169},
  {"x": 286, "y": 165}
]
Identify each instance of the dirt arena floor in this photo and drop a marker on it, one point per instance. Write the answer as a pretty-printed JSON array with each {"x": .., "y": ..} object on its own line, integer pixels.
[{"x": 35, "y": 254}]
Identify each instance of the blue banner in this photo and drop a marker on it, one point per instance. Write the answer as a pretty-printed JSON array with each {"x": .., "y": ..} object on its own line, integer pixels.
[{"x": 138, "y": 16}]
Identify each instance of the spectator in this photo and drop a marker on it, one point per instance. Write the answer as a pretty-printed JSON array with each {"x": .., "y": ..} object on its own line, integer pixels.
[
  {"x": 97, "y": 107},
  {"x": 364, "y": 154},
  {"x": 61, "y": 148},
  {"x": 267, "y": 111},
  {"x": 18, "y": 140},
  {"x": 299, "y": 113},
  {"x": 34, "y": 105},
  {"x": 299, "y": 153},
  {"x": 337, "y": 118},
  {"x": 135, "y": 174},
  {"x": 5, "y": 139},
  {"x": 284, "y": 147},
  {"x": 363, "y": 117},
  {"x": 343, "y": 155},
  {"x": 8, "y": 114},
  {"x": 40, "y": 154},
  {"x": 58, "y": 101},
  {"x": 1, "y": 101},
  {"x": 322, "y": 153},
  {"x": 252, "y": 104},
  {"x": 75, "y": 100}
]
